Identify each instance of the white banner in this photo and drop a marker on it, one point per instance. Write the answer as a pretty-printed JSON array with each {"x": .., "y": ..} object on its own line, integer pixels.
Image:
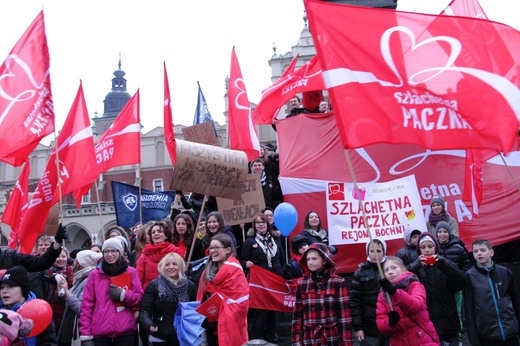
[{"x": 389, "y": 208}]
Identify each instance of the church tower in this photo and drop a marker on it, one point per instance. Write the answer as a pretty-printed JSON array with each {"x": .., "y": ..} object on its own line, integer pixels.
[{"x": 114, "y": 102}]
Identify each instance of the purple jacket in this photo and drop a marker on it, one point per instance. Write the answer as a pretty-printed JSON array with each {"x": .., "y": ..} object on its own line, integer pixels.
[{"x": 99, "y": 317}]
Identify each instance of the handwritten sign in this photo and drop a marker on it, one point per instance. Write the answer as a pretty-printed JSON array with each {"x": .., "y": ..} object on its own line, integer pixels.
[
  {"x": 209, "y": 170},
  {"x": 243, "y": 209},
  {"x": 389, "y": 208},
  {"x": 203, "y": 133}
]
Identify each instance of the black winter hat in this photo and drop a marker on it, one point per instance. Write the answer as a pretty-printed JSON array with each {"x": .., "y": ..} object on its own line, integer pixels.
[
  {"x": 297, "y": 242},
  {"x": 17, "y": 276}
]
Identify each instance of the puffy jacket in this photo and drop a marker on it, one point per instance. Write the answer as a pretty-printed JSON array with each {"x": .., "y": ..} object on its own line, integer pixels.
[
  {"x": 99, "y": 316},
  {"x": 150, "y": 258},
  {"x": 491, "y": 304},
  {"x": 455, "y": 251},
  {"x": 9, "y": 258},
  {"x": 414, "y": 327},
  {"x": 364, "y": 290}
]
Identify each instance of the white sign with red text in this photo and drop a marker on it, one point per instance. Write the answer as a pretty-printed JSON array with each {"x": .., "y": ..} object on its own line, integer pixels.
[{"x": 389, "y": 208}]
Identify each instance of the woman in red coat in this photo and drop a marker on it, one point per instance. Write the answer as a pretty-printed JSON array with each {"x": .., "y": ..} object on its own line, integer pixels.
[
  {"x": 408, "y": 324},
  {"x": 160, "y": 237}
]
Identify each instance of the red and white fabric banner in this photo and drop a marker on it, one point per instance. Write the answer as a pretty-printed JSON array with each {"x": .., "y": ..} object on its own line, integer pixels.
[
  {"x": 441, "y": 82},
  {"x": 269, "y": 291},
  {"x": 26, "y": 106},
  {"x": 76, "y": 165},
  {"x": 17, "y": 205},
  {"x": 169, "y": 134},
  {"x": 306, "y": 167},
  {"x": 242, "y": 131}
]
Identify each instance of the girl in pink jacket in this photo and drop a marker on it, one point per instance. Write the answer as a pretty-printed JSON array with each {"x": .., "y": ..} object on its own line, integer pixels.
[
  {"x": 112, "y": 294},
  {"x": 408, "y": 324}
]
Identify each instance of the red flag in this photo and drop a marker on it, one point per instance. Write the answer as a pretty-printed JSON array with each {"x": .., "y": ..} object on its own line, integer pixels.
[
  {"x": 269, "y": 291},
  {"x": 26, "y": 107},
  {"x": 17, "y": 205},
  {"x": 169, "y": 135},
  {"x": 76, "y": 156},
  {"x": 398, "y": 84},
  {"x": 465, "y": 8},
  {"x": 242, "y": 131},
  {"x": 306, "y": 78},
  {"x": 120, "y": 144}
]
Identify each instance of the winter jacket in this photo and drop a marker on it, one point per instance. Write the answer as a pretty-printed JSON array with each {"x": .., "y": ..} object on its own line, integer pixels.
[
  {"x": 99, "y": 315},
  {"x": 9, "y": 258},
  {"x": 414, "y": 327},
  {"x": 317, "y": 239},
  {"x": 72, "y": 305},
  {"x": 321, "y": 310},
  {"x": 184, "y": 250},
  {"x": 455, "y": 251},
  {"x": 408, "y": 253},
  {"x": 158, "y": 312},
  {"x": 491, "y": 304},
  {"x": 451, "y": 221},
  {"x": 252, "y": 251},
  {"x": 364, "y": 291},
  {"x": 441, "y": 281},
  {"x": 150, "y": 258}
]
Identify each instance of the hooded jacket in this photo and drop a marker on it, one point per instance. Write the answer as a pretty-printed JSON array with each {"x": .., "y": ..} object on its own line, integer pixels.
[
  {"x": 454, "y": 249},
  {"x": 408, "y": 253},
  {"x": 441, "y": 281},
  {"x": 322, "y": 310}
]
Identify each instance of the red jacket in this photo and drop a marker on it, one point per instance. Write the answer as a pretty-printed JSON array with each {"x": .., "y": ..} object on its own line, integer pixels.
[
  {"x": 150, "y": 258},
  {"x": 414, "y": 327}
]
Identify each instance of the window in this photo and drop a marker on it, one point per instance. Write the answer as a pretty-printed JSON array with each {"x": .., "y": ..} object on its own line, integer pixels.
[
  {"x": 85, "y": 198},
  {"x": 158, "y": 185}
]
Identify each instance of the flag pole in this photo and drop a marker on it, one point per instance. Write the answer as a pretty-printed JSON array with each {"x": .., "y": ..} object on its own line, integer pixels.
[
  {"x": 509, "y": 170},
  {"x": 358, "y": 196},
  {"x": 197, "y": 227},
  {"x": 140, "y": 203},
  {"x": 99, "y": 204},
  {"x": 60, "y": 205}
]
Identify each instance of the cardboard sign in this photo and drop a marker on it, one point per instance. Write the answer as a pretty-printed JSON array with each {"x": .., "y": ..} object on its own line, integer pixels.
[
  {"x": 209, "y": 170},
  {"x": 389, "y": 208},
  {"x": 203, "y": 133},
  {"x": 243, "y": 209}
]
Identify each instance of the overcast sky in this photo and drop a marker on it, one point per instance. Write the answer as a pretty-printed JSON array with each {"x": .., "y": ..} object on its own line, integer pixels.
[{"x": 194, "y": 38}]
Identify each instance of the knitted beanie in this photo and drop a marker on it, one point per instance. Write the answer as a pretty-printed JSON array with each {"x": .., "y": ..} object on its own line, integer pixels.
[
  {"x": 17, "y": 276},
  {"x": 113, "y": 243},
  {"x": 13, "y": 325},
  {"x": 88, "y": 258},
  {"x": 438, "y": 199}
]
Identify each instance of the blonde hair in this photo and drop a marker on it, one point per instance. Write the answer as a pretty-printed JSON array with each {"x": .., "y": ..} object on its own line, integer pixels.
[{"x": 180, "y": 264}]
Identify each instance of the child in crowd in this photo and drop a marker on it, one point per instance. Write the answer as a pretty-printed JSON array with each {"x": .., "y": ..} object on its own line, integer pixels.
[
  {"x": 407, "y": 321},
  {"x": 12, "y": 327},
  {"x": 292, "y": 269},
  {"x": 321, "y": 310},
  {"x": 442, "y": 279},
  {"x": 408, "y": 253},
  {"x": 492, "y": 303},
  {"x": 364, "y": 290}
]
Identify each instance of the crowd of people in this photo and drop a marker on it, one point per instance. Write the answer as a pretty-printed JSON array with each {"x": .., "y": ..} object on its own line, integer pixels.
[{"x": 129, "y": 289}]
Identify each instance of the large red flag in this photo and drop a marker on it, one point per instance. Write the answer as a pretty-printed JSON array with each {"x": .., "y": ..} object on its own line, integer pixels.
[
  {"x": 26, "y": 107},
  {"x": 269, "y": 291},
  {"x": 242, "y": 131},
  {"x": 169, "y": 135},
  {"x": 392, "y": 80},
  {"x": 17, "y": 205},
  {"x": 76, "y": 165},
  {"x": 306, "y": 78},
  {"x": 120, "y": 144}
]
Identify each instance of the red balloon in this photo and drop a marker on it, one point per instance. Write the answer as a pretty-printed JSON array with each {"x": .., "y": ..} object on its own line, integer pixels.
[{"x": 39, "y": 311}]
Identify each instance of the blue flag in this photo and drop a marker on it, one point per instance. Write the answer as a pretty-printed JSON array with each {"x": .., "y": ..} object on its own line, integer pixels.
[
  {"x": 202, "y": 113},
  {"x": 155, "y": 205}
]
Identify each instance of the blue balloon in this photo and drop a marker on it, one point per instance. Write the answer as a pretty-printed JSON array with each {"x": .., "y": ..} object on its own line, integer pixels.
[{"x": 285, "y": 218}]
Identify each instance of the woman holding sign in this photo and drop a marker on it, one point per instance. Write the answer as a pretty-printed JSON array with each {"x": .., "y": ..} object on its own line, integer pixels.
[
  {"x": 112, "y": 294},
  {"x": 224, "y": 280}
]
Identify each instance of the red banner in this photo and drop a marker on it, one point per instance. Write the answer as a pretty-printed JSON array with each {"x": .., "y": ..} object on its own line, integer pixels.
[
  {"x": 242, "y": 132},
  {"x": 76, "y": 159},
  {"x": 17, "y": 205},
  {"x": 399, "y": 77},
  {"x": 307, "y": 166},
  {"x": 269, "y": 291},
  {"x": 26, "y": 107},
  {"x": 169, "y": 135}
]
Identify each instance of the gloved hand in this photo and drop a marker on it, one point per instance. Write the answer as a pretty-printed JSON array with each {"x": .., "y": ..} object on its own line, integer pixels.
[
  {"x": 393, "y": 318},
  {"x": 61, "y": 234},
  {"x": 387, "y": 286},
  {"x": 117, "y": 294}
]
